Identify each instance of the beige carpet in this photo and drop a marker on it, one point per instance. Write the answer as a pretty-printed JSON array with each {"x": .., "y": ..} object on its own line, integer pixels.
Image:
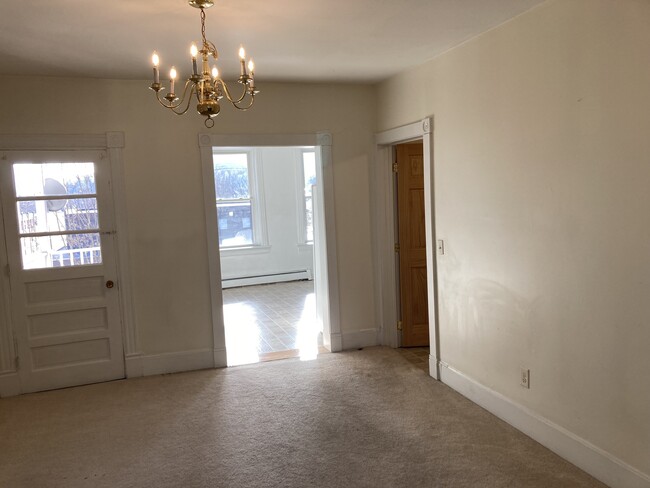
[{"x": 359, "y": 419}]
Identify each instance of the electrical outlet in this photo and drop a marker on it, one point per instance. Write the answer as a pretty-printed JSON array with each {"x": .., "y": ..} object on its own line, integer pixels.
[{"x": 524, "y": 378}]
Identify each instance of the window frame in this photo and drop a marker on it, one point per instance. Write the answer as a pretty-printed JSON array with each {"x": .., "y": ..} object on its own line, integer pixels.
[
  {"x": 301, "y": 200},
  {"x": 256, "y": 196}
]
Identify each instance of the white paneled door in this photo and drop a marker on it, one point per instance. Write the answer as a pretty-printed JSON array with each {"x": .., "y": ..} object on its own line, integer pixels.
[{"x": 58, "y": 219}]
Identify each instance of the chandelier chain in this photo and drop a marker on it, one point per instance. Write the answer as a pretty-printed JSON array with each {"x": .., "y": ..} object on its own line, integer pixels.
[{"x": 205, "y": 41}]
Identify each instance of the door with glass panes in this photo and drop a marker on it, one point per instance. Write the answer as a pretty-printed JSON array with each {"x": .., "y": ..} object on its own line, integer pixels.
[{"x": 58, "y": 219}]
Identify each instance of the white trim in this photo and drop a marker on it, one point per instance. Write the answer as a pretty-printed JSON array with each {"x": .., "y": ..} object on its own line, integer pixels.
[
  {"x": 359, "y": 338},
  {"x": 174, "y": 362},
  {"x": 595, "y": 461},
  {"x": 115, "y": 142},
  {"x": 7, "y": 346},
  {"x": 10, "y": 385},
  {"x": 321, "y": 141},
  {"x": 384, "y": 233}
]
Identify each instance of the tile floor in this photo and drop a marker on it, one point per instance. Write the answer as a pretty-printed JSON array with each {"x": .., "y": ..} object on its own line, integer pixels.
[{"x": 263, "y": 320}]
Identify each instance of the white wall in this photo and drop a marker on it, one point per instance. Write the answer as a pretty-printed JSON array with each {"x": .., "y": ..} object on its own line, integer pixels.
[
  {"x": 542, "y": 177},
  {"x": 281, "y": 180},
  {"x": 164, "y": 196}
]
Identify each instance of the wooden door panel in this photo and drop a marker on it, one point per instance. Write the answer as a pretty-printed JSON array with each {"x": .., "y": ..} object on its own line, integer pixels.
[
  {"x": 417, "y": 234},
  {"x": 412, "y": 245}
]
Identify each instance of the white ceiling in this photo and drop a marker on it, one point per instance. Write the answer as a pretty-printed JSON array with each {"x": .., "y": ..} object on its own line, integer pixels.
[{"x": 290, "y": 40}]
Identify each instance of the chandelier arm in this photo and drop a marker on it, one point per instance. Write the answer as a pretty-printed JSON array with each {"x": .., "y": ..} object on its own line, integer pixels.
[
  {"x": 171, "y": 105},
  {"x": 189, "y": 101},
  {"x": 229, "y": 96},
  {"x": 247, "y": 107}
]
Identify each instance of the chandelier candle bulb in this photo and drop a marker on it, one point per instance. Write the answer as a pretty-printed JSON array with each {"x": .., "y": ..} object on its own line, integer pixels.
[
  {"x": 172, "y": 78},
  {"x": 242, "y": 58},
  {"x": 194, "y": 51},
  {"x": 251, "y": 67},
  {"x": 156, "y": 74},
  {"x": 215, "y": 73}
]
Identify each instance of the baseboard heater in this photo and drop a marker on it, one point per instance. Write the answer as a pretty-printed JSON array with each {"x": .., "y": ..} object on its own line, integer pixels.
[{"x": 305, "y": 274}]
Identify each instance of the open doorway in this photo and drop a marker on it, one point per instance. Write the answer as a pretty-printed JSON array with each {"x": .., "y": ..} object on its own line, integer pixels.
[
  {"x": 271, "y": 245},
  {"x": 265, "y": 220}
]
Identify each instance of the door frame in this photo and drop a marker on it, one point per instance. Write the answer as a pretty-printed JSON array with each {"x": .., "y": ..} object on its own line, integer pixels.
[
  {"x": 322, "y": 142},
  {"x": 387, "y": 291},
  {"x": 113, "y": 144}
]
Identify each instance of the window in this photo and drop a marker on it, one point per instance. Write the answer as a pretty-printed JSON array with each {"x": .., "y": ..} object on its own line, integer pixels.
[
  {"x": 309, "y": 179},
  {"x": 237, "y": 200},
  {"x": 58, "y": 221}
]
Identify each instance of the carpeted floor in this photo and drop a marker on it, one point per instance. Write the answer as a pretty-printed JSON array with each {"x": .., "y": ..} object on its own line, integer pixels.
[{"x": 357, "y": 419}]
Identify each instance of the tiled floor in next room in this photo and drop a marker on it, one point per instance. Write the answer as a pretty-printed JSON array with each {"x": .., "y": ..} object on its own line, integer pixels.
[{"x": 264, "y": 321}]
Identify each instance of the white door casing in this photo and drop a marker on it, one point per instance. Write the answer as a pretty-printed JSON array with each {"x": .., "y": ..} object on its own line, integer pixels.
[
  {"x": 120, "y": 311},
  {"x": 66, "y": 317},
  {"x": 384, "y": 230},
  {"x": 328, "y": 300}
]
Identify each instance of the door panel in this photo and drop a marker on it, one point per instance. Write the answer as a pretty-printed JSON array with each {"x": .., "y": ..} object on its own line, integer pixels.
[
  {"x": 412, "y": 245},
  {"x": 57, "y": 210}
]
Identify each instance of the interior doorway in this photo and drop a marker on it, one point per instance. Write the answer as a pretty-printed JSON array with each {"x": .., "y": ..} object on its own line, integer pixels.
[
  {"x": 300, "y": 276},
  {"x": 386, "y": 232},
  {"x": 265, "y": 221}
]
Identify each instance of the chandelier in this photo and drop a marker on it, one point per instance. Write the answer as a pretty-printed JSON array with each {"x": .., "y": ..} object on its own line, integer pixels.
[{"x": 205, "y": 84}]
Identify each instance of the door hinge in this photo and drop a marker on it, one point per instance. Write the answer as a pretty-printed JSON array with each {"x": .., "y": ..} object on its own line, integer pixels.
[
  {"x": 17, "y": 363},
  {"x": 399, "y": 325},
  {"x": 397, "y": 247},
  {"x": 395, "y": 167}
]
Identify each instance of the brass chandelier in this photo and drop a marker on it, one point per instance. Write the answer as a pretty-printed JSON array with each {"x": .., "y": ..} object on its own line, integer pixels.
[{"x": 206, "y": 84}]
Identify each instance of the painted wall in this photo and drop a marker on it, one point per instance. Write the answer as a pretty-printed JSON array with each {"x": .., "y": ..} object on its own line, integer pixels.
[
  {"x": 280, "y": 179},
  {"x": 164, "y": 195},
  {"x": 542, "y": 193}
]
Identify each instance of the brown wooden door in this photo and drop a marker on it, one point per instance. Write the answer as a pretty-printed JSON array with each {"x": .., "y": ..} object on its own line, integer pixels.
[{"x": 412, "y": 245}]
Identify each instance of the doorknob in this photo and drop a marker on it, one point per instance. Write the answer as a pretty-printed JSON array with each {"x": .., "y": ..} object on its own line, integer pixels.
[{"x": 110, "y": 284}]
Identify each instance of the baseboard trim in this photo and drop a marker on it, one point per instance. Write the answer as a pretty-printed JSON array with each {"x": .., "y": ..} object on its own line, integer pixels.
[
  {"x": 10, "y": 385},
  {"x": 220, "y": 358},
  {"x": 133, "y": 365},
  {"x": 595, "y": 461},
  {"x": 174, "y": 362},
  {"x": 360, "y": 338}
]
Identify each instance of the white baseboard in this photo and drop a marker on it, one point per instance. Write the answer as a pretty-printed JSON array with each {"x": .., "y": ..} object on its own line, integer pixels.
[
  {"x": 360, "y": 338},
  {"x": 9, "y": 385},
  {"x": 171, "y": 362},
  {"x": 333, "y": 343},
  {"x": 267, "y": 279},
  {"x": 220, "y": 358},
  {"x": 595, "y": 461},
  {"x": 133, "y": 365}
]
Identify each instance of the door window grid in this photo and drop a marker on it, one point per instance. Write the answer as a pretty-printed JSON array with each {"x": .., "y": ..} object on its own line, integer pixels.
[{"x": 57, "y": 213}]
